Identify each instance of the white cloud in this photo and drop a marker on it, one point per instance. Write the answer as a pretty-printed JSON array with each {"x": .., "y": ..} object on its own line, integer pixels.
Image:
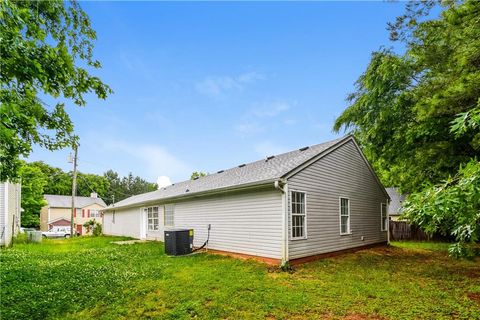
[
  {"x": 270, "y": 109},
  {"x": 215, "y": 86},
  {"x": 155, "y": 160},
  {"x": 163, "y": 181},
  {"x": 136, "y": 65},
  {"x": 268, "y": 148},
  {"x": 256, "y": 119}
]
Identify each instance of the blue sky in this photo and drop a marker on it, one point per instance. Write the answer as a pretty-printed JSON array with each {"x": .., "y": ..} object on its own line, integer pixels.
[{"x": 207, "y": 86}]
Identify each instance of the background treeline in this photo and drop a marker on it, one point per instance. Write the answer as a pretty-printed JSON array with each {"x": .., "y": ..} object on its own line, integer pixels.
[{"x": 39, "y": 178}]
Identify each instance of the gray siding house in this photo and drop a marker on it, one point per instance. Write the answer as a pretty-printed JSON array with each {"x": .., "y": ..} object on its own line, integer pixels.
[
  {"x": 396, "y": 203},
  {"x": 311, "y": 201}
]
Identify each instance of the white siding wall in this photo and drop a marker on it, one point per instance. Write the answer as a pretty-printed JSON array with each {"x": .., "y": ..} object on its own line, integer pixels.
[
  {"x": 3, "y": 214},
  {"x": 127, "y": 223},
  {"x": 249, "y": 223},
  {"x": 342, "y": 173},
  {"x": 10, "y": 196}
]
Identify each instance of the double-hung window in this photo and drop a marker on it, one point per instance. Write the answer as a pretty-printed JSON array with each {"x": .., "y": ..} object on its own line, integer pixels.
[
  {"x": 383, "y": 212},
  {"x": 152, "y": 218},
  {"x": 94, "y": 213},
  {"x": 299, "y": 215},
  {"x": 344, "y": 216},
  {"x": 169, "y": 215}
]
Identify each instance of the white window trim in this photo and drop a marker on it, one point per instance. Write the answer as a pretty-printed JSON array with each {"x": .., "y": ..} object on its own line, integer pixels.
[
  {"x": 349, "y": 230},
  {"x": 165, "y": 215},
  {"x": 381, "y": 217},
  {"x": 94, "y": 213},
  {"x": 145, "y": 209},
  {"x": 291, "y": 216}
]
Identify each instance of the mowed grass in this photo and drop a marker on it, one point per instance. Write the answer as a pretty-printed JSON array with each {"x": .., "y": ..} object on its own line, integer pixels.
[{"x": 91, "y": 278}]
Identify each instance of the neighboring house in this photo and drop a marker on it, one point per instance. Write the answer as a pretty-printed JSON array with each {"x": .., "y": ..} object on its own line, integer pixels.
[
  {"x": 58, "y": 210},
  {"x": 303, "y": 203},
  {"x": 10, "y": 211},
  {"x": 395, "y": 205}
]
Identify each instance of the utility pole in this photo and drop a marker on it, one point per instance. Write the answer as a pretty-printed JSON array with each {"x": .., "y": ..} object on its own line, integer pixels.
[{"x": 74, "y": 191}]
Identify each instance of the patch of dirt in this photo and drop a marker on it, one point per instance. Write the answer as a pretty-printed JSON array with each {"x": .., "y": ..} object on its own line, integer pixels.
[
  {"x": 384, "y": 250},
  {"x": 128, "y": 242},
  {"x": 312, "y": 314},
  {"x": 359, "y": 316},
  {"x": 277, "y": 269},
  {"x": 474, "y": 296},
  {"x": 472, "y": 273}
]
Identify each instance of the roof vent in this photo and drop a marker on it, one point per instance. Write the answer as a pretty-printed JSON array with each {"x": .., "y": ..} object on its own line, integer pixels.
[
  {"x": 269, "y": 158},
  {"x": 220, "y": 171},
  {"x": 303, "y": 149},
  {"x": 242, "y": 165}
]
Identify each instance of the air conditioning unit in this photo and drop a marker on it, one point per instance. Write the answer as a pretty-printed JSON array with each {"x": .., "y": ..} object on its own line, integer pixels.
[{"x": 178, "y": 242}]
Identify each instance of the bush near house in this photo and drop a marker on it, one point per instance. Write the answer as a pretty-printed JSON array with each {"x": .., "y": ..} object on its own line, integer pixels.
[
  {"x": 91, "y": 278},
  {"x": 93, "y": 227}
]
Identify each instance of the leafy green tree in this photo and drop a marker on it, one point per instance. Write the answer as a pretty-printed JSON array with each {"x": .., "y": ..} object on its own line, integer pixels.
[
  {"x": 404, "y": 105},
  {"x": 59, "y": 182},
  {"x": 122, "y": 188},
  {"x": 88, "y": 183},
  {"x": 417, "y": 116},
  {"x": 47, "y": 52},
  {"x": 33, "y": 182},
  {"x": 115, "y": 191},
  {"x": 451, "y": 208},
  {"x": 197, "y": 174}
]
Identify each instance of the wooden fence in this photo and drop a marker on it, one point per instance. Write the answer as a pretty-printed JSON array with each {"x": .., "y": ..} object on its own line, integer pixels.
[{"x": 402, "y": 230}]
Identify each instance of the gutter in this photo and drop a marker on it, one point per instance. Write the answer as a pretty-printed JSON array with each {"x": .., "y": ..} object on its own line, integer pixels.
[
  {"x": 283, "y": 187},
  {"x": 242, "y": 187}
]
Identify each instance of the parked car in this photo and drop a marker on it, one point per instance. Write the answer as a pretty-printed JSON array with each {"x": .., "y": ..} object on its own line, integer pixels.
[{"x": 57, "y": 232}]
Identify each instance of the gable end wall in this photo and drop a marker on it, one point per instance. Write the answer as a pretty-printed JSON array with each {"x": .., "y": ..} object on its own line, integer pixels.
[{"x": 341, "y": 173}]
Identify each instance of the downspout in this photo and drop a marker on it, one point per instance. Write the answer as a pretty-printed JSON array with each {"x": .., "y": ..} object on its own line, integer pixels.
[
  {"x": 283, "y": 187},
  {"x": 388, "y": 221}
]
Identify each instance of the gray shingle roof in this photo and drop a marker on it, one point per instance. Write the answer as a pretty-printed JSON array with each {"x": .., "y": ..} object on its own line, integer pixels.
[
  {"x": 396, "y": 199},
  {"x": 248, "y": 174},
  {"x": 56, "y": 201}
]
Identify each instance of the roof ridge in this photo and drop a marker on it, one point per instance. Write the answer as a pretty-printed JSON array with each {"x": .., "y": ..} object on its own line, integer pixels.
[{"x": 252, "y": 172}]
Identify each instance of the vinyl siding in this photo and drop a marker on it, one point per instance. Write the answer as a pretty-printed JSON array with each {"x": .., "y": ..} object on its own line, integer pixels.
[
  {"x": 65, "y": 213},
  {"x": 127, "y": 223},
  {"x": 341, "y": 173},
  {"x": 10, "y": 195},
  {"x": 81, "y": 220},
  {"x": 242, "y": 222},
  {"x": 3, "y": 215},
  {"x": 248, "y": 222}
]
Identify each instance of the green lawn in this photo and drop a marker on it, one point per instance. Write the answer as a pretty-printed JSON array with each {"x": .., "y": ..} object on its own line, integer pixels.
[{"x": 90, "y": 278}]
